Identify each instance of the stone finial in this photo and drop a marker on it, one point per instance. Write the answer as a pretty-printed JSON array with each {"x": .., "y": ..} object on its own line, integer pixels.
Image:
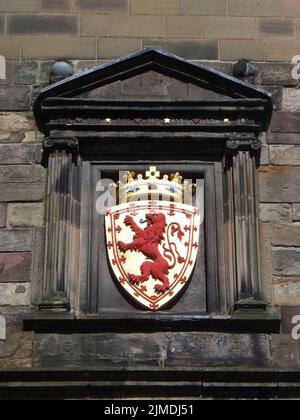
[
  {"x": 61, "y": 70},
  {"x": 244, "y": 69}
]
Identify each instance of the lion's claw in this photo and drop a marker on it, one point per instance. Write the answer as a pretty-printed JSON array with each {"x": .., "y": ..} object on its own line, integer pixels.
[
  {"x": 161, "y": 289},
  {"x": 122, "y": 246},
  {"x": 134, "y": 278}
]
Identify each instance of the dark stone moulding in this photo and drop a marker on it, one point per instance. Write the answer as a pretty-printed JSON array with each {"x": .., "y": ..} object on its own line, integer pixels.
[
  {"x": 250, "y": 322},
  {"x": 160, "y": 383},
  {"x": 151, "y": 58}
]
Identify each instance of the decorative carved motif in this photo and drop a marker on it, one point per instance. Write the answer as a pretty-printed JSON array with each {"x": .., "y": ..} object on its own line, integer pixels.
[
  {"x": 240, "y": 143},
  {"x": 69, "y": 145}
]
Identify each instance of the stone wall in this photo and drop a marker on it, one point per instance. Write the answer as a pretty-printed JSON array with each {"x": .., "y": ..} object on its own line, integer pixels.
[{"x": 196, "y": 29}]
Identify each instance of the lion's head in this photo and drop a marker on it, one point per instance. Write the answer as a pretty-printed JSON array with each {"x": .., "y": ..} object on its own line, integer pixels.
[
  {"x": 156, "y": 222},
  {"x": 156, "y": 218}
]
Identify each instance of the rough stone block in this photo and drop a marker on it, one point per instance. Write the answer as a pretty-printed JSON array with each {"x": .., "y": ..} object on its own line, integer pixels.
[
  {"x": 16, "y": 192},
  {"x": 296, "y": 212},
  {"x": 203, "y": 7},
  {"x": 184, "y": 27},
  {"x": 22, "y": 173},
  {"x": 282, "y": 49},
  {"x": 3, "y": 214},
  {"x": 285, "y": 352},
  {"x": 93, "y": 25},
  {"x": 11, "y": 48},
  {"x": 110, "y": 48},
  {"x": 12, "y": 124},
  {"x": 287, "y": 315},
  {"x": 279, "y": 184},
  {"x": 42, "y": 24},
  {"x": 265, "y": 157},
  {"x": 26, "y": 73},
  {"x": 275, "y": 213},
  {"x": 136, "y": 26},
  {"x": 14, "y": 316},
  {"x": 276, "y": 92},
  {"x": 287, "y": 290},
  {"x": 286, "y": 122},
  {"x": 291, "y": 100},
  {"x": 275, "y": 28},
  {"x": 266, "y": 263},
  {"x": 18, "y": 154},
  {"x": 38, "y": 258},
  {"x": 26, "y": 215},
  {"x": 286, "y": 262},
  {"x": 283, "y": 138},
  {"x": 12, "y": 294},
  {"x": 154, "y": 7},
  {"x": 285, "y": 155},
  {"x": 15, "y": 240},
  {"x": 56, "y": 48},
  {"x": 193, "y": 50},
  {"x": 100, "y": 350},
  {"x": 276, "y": 74},
  {"x": 229, "y": 27},
  {"x": 102, "y": 6},
  {"x": 17, "y": 350},
  {"x": 235, "y": 49},
  {"x": 56, "y": 6},
  {"x": 216, "y": 349},
  {"x": 34, "y": 137},
  {"x": 255, "y": 7},
  {"x": 15, "y": 267},
  {"x": 14, "y": 98},
  {"x": 285, "y": 235}
]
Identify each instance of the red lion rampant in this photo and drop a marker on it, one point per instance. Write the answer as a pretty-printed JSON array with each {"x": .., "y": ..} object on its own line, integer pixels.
[{"x": 147, "y": 241}]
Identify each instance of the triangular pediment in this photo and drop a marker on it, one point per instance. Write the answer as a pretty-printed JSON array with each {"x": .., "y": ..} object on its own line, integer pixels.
[
  {"x": 153, "y": 59},
  {"x": 153, "y": 86},
  {"x": 152, "y": 75}
]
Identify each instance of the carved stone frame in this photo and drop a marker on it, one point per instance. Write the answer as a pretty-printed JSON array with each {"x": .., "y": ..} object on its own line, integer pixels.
[{"x": 77, "y": 134}]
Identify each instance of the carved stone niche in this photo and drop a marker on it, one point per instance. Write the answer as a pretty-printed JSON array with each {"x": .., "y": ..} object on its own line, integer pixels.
[{"x": 152, "y": 107}]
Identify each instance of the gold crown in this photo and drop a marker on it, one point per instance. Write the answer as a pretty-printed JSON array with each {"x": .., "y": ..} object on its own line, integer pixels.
[{"x": 168, "y": 188}]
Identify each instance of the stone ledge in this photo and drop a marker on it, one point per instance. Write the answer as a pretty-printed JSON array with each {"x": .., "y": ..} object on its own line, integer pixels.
[
  {"x": 250, "y": 322},
  {"x": 160, "y": 383}
]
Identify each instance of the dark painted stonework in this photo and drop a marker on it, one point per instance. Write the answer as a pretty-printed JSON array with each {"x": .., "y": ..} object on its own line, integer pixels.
[
  {"x": 159, "y": 349},
  {"x": 15, "y": 267},
  {"x": 217, "y": 133}
]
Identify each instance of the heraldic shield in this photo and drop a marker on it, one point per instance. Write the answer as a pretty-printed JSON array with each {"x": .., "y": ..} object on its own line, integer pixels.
[{"x": 153, "y": 244}]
